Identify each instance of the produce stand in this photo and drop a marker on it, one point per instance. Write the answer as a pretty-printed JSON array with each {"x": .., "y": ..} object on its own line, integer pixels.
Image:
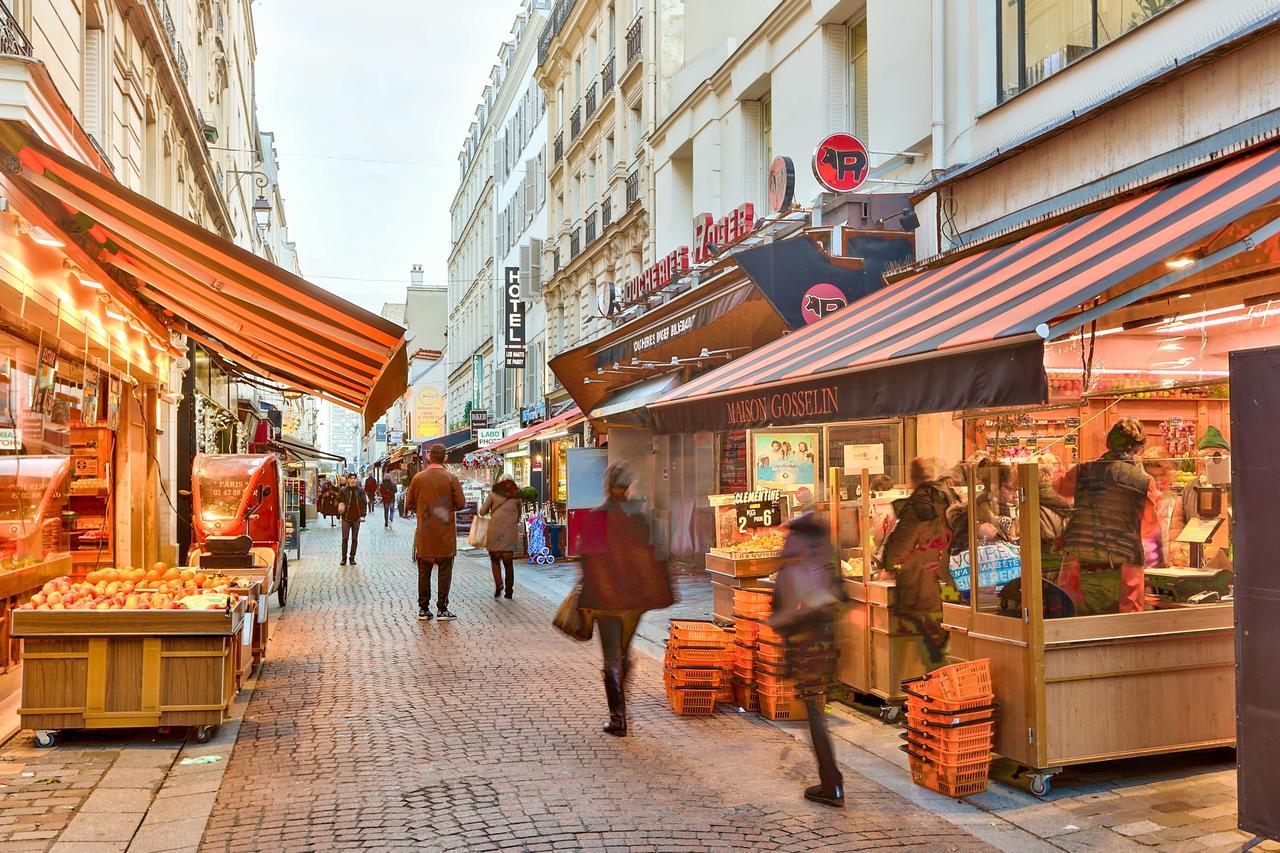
[
  {"x": 88, "y": 669},
  {"x": 748, "y": 544}
]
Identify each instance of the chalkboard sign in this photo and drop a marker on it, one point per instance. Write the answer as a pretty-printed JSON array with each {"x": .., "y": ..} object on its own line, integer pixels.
[{"x": 757, "y": 509}]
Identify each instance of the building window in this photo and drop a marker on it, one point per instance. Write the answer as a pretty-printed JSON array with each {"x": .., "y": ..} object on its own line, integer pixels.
[
  {"x": 858, "y": 112},
  {"x": 766, "y": 129},
  {"x": 94, "y": 91},
  {"x": 1039, "y": 38}
]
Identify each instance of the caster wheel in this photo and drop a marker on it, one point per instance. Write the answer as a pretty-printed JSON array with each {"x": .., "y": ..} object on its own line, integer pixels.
[
  {"x": 1040, "y": 785},
  {"x": 203, "y": 733},
  {"x": 891, "y": 713},
  {"x": 46, "y": 739},
  {"x": 282, "y": 588}
]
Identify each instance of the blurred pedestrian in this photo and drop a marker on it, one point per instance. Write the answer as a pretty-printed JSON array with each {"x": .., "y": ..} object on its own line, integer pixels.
[
  {"x": 806, "y": 595},
  {"x": 387, "y": 491},
  {"x": 371, "y": 488},
  {"x": 502, "y": 539},
  {"x": 435, "y": 495},
  {"x": 621, "y": 579},
  {"x": 352, "y": 508},
  {"x": 327, "y": 500}
]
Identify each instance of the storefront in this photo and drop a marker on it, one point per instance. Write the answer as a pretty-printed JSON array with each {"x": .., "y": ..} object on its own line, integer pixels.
[{"x": 1033, "y": 347}]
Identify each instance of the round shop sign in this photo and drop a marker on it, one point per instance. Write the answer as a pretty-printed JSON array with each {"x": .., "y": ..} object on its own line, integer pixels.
[
  {"x": 841, "y": 163},
  {"x": 782, "y": 184},
  {"x": 820, "y": 300}
]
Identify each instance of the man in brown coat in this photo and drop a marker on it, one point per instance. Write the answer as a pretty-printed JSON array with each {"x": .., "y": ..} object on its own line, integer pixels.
[{"x": 435, "y": 495}]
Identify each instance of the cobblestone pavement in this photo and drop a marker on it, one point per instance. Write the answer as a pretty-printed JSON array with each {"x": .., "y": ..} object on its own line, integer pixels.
[{"x": 370, "y": 730}]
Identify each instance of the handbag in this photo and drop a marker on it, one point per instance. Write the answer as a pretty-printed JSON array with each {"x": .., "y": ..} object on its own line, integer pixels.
[
  {"x": 802, "y": 593},
  {"x": 479, "y": 532},
  {"x": 571, "y": 619}
]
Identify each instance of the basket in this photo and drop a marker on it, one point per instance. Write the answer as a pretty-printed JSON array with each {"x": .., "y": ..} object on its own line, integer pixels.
[
  {"x": 768, "y": 635},
  {"x": 697, "y": 677},
  {"x": 691, "y": 633},
  {"x": 771, "y": 653},
  {"x": 958, "y": 779},
  {"x": 697, "y": 656},
  {"x": 935, "y": 750},
  {"x": 961, "y": 681},
  {"x": 784, "y": 706},
  {"x": 922, "y": 708},
  {"x": 745, "y": 696},
  {"x": 689, "y": 702},
  {"x": 752, "y": 603},
  {"x": 726, "y": 687},
  {"x": 746, "y": 631}
]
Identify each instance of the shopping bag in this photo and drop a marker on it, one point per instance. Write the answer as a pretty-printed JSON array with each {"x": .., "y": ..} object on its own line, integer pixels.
[
  {"x": 571, "y": 619},
  {"x": 479, "y": 532}
]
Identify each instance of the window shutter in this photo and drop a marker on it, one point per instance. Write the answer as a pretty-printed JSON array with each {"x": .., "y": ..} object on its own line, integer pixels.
[
  {"x": 835, "y": 90},
  {"x": 755, "y": 172},
  {"x": 526, "y": 262},
  {"x": 535, "y": 269},
  {"x": 94, "y": 48}
]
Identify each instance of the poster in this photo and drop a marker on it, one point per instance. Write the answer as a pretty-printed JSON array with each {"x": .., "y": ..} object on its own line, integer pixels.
[
  {"x": 113, "y": 404},
  {"x": 428, "y": 413},
  {"x": 787, "y": 462},
  {"x": 863, "y": 456},
  {"x": 89, "y": 397},
  {"x": 46, "y": 378}
]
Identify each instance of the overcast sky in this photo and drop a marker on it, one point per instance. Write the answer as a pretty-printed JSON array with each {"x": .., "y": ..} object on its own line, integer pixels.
[{"x": 345, "y": 84}]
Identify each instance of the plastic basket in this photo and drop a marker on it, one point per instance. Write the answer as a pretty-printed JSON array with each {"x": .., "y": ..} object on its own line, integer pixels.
[
  {"x": 952, "y": 780},
  {"x": 771, "y": 653},
  {"x": 692, "y": 633},
  {"x": 961, "y": 681},
  {"x": 775, "y": 707},
  {"x": 695, "y": 656},
  {"x": 938, "y": 751},
  {"x": 968, "y": 733},
  {"x": 768, "y": 635},
  {"x": 688, "y": 702},
  {"x": 922, "y": 711},
  {"x": 697, "y": 677},
  {"x": 746, "y": 631},
  {"x": 745, "y": 696},
  {"x": 752, "y": 603},
  {"x": 931, "y": 702},
  {"x": 726, "y": 688}
]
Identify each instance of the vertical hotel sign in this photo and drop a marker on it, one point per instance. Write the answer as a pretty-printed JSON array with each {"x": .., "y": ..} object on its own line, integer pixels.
[
  {"x": 477, "y": 379},
  {"x": 514, "y": 311}
]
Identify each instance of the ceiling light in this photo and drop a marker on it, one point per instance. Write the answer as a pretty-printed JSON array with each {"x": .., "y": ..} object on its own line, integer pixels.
[
  {"x": 1179, "y": 263},
  {"x": 44, "y": 238},
  {"x": 88, "y": 282},
  {"x": 1184, "y": 295},
  {"x": 116, "y": 315}
]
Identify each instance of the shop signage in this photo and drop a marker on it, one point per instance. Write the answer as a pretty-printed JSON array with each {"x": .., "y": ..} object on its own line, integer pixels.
[
  {"x": 657, "y": 276},
  {"x": 395, "y": 436},
  {"x": 785, "y": 406},
  {"x": 656, "y": 335},
  {"x": 710, "y": 238},
  {"x": 762, "y": 508},
  {"x": 661, "y": 335},
  {"x": 841, "y": 163},
  {"x": 532, "y": 414},
  {"x": 782, "y": 184},
  {"x": 860, "y": 457},
  {"x": 997, "y": 565},
  {"x": 488, "y": 437},
  {"x": 477, "y": 379},
  {"x": 8, "y": 438},
  {"x": 514, "y": 309},
  {"x": 428, "y": 413},
  {"x": 479, "y": 420}
]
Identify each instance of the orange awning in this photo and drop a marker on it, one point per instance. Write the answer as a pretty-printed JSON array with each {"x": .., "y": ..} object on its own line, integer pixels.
[{"x": 226, "y": 298}]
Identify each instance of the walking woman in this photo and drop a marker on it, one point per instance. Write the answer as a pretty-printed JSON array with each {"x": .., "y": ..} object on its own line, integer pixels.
[
  {"x": 806, "y": 596},
  {"x": 503, "y": 537},
  {"x": 621, "y": 579}
]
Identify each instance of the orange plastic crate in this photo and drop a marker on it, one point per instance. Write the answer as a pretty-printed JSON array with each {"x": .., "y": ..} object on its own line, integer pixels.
[
  {"x": 961, "y": 681},
  {"x": 746, "y": 631},
  {"x": 955, "y": 780},
  {"x": 745, "y": 696},
  {"x": 697, "y": 677},
  {"x": 695, "y": 656},
  {"x": 784, "y": 707},
  {"x": 752, "y": 603},
  {"x": 923, "y": 711},
  {"x": 774, "y": 682},
  {"x": 689, "y": 702},
  {"x": 692, "y": 633},
  {"x": 968, "y": 733},
  {"x": 937, "y": 751},
  {"x": 768, "y": 635},
  {"x": 771, "y": 653}
]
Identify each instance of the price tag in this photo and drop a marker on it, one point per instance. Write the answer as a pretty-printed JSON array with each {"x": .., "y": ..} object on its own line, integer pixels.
[{"x": 753, "y": 510}]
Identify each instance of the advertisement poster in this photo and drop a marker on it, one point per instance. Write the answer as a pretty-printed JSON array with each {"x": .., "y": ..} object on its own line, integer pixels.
[
  {"x": 89, "y": 398},
  {"x": 428, "y": 413},
  {"x": 113, "y": 404},
  {"x": 46, "y": 378},
  {"x": 787, "y": 462}
]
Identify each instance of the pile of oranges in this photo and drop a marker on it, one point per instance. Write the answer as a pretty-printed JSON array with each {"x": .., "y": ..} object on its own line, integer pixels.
[{"x": 160, "y": 588}]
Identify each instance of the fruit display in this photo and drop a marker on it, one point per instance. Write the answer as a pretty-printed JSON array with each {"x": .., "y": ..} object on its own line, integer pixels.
[
  {"x": 160, "y": 588},
  {"x": 852, "y": 567},
  {"x": 761, "y": 543}
]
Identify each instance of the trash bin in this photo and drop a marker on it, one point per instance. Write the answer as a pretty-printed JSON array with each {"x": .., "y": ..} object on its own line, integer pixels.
[{"x": 555, "y": 540}]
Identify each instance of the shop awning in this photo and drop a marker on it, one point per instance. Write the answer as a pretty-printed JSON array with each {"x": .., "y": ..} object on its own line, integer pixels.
[
  {"x": 565, "y": 420},
  {"x": 256, "y": 314},
  {"x": 303, "y": 451},
  {"x": 451, "y": 441},
  {"x": 970, "y": 333},
  {"x": 634, "y": 398}
]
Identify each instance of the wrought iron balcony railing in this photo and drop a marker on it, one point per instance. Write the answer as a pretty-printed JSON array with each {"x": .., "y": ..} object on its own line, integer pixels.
[
  {"x": 633, "y": 188},
  {"x": 555, "y": 23},
  {"x": 575, "y": 123},
  {"x": 590, "y": 101},
  {"x": 606, "y": 213},
  {"x": 607, "y": 75},
  {"x": 558, "y": 147},
  {"x": 634, "y": 46},
  {"x": 575, "y": 243},
  {"x": 13, "y": 41},
  {"x": 590, "y": 228}
]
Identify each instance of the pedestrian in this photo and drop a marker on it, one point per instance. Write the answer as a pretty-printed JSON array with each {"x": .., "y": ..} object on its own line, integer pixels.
[
  {"x": 387, "y": 491},
  {"x": 435, "y": 495},
  {"x": 327, "y": 501},
  {"x": 806, "y": 595},
  {"x": 503, "y": 537},
  {"x": 371, "y": 489},
  {"x": 621, "y": 579},
  {"x": 352, "y": 508}
]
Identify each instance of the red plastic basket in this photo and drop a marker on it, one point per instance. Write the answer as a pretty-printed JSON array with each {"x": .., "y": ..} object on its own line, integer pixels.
[
  {"x": 689, "y": 702},
  {"x": 691, "y": 633},
  {"x": 752, "y": 603}
]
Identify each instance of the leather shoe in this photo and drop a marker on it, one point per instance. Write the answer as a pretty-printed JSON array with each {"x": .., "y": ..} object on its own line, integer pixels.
[{"x": 819, "y": 794}]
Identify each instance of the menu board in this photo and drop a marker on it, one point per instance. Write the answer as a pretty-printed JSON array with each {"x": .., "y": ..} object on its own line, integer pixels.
[{"x": 757, "y": 509}]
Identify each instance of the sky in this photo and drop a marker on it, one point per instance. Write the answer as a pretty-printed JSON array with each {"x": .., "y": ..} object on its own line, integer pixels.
[{"x": 369, "y": 109}]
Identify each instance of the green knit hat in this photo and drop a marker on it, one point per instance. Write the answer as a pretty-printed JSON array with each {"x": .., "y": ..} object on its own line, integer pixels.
[{"x": 1213, "y": 440}]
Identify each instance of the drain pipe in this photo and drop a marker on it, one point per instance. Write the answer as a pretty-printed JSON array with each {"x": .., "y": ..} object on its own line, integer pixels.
[{"x": 939, "y": 122}]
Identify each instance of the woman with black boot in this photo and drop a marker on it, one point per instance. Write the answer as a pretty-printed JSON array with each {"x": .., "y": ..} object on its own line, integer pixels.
[
  {"x": 807, "y": 594},
  {"x": 621, "y": 579},
  {"x": 503, "y": 536}
]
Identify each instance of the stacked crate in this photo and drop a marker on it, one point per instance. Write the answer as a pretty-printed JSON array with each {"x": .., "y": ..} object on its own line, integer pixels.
[
  {"x": 950, "y": 728},
  {"x": 694, "y": 668}
]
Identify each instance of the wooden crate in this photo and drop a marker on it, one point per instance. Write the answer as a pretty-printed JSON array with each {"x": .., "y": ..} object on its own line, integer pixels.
[
  {"x": 127, "y": 668},
  {"x": 742, "y": 567}
]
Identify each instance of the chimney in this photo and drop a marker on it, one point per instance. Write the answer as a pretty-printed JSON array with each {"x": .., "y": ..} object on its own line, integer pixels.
[{"x": 415, "y": 275}]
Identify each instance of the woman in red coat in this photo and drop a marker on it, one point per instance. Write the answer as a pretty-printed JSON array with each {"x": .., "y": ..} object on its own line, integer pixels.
[{"x": 621, "y": 579}]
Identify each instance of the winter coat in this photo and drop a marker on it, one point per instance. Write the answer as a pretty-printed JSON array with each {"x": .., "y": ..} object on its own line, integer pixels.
[
  {"x": 370, "y": 487},
  {"x": 1110, "y": 498},
  {"x": 434, "y": 495},
  {"x": 811, "y": 648},
  {"x": 327, "y": 500},
  {"x": 503, "y": 508},
  {"x": 619, "y": 568},
  {"x": 918, "y": 549},
  {"x": 355, "y": 506},
  {"x": 387, "y": 489}
]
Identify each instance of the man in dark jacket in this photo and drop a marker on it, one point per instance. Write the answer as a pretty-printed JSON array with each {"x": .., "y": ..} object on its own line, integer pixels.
[
  {"x": 352, "y": 508},
  {"x": 387, "y": 490}
]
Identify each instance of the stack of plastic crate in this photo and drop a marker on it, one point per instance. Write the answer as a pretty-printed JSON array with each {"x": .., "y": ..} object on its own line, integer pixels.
[
  {"x": 950, "y": 728},
  {"x": 698, "y": 654},
  {"x": 750, "y": 609}
]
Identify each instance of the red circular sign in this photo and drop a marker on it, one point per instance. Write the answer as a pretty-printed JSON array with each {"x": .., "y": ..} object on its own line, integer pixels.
[
  {"x": 782, "y": 184},
  {"x": 820, "y": 300},
  {"x": 841, "y": 163}
]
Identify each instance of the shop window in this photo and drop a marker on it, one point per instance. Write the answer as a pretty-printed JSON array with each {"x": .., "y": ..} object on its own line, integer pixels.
[
  {"x": 858, "y": 90},
  {"x": 1039, "y": 38}
]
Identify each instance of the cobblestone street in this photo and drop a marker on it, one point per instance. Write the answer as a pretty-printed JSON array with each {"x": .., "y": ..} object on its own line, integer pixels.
[{"x": 369, "y": 729}]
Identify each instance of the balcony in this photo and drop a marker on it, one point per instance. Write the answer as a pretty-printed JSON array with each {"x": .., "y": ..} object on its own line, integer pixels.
[
  {"x": 634, "y": 46},
  {"x": 575, "y": 243},
  {"x": 575, "y": 123},
  {"x": 607, "y": 78},
  {"x": 555, "y": 23},
  {"x": 558, "y": 147},
  {"x": 13, "y": 41},
  {"x": 591, "y": 228},
  {"x": 590, "y": 101},
  {"x": 97, "y": 146},
  {"x": 606, "y": 213},
  {"x": 633, "y": 188}
]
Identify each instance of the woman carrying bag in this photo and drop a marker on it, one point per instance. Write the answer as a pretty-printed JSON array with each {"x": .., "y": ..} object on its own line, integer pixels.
[{"x": 502, "y": 537}]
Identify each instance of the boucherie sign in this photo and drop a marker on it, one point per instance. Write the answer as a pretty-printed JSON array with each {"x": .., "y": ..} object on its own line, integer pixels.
[{"x": 710, "y": 238}]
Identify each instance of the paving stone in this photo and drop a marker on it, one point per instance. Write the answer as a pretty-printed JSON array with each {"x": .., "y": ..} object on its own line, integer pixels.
[
  {"x": 118, "y": 800},
  {"x": 170, "y": 835},
  {"x": 102, "y": 827}
]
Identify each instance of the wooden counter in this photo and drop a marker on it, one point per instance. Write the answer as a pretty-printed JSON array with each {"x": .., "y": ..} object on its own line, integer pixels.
[{"x": 877, "y": 651}]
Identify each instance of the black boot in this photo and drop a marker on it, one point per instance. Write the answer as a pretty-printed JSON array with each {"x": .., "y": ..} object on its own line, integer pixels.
[
  {"x": 828, "y": 797},
  {"x": 617, "y": 725}
]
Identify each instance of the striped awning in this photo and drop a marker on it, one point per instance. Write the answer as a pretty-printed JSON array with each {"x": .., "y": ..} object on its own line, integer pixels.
[{"x": 975, "y": 320}]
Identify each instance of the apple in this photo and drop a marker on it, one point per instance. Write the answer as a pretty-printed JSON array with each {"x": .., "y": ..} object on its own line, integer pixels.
[
  {"x": 58, "y": 606},
  {"x": 43, "y": 607},
  {"x": 103, "y": 605},
  {"x": 53, "y": 598},
  {"x": 131, "y": 603},
  {"x": 37, "y": 599}
]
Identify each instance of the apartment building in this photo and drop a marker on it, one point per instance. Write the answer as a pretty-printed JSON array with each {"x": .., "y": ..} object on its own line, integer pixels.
[{"x": 595, "y": 68}]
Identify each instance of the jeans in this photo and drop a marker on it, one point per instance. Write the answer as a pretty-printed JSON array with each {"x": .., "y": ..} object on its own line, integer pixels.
[
  {"x": 498, "y": 560},
  {"x": 424, "y": 582},
  {"x": 388, "y": 510},
  {"x": 350, "y": 529},
  {"x": 616, "y": 630}
]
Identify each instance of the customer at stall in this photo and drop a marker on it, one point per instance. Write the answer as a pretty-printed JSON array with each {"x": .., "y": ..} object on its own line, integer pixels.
[
  {"x": 352, "y": 508},
  {"x": 502, "y": 539},
  {"x": 370, "y": 488},
  {"x": 1102, "y": 567},
  {"x": 806, "y": 595},
  {"x": 435, "y": 494},
  {"x": 916, "y": 554},
  {"x": 1054, "y": 512},
  {"x": 1211, "y": 449},
  {"x": 1157, "y": 549},
  {"x": 621, "y": 579},
  {"x": 387, "y": 491},
  {"x": 993, "y": 508}
]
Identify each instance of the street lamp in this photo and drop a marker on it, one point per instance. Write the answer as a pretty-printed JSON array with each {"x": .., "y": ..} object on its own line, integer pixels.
[{"x": 262, "y": 213}]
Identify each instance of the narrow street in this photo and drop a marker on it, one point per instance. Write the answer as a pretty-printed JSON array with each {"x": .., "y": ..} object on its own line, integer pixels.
[{"x": 370, "y": 730}]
